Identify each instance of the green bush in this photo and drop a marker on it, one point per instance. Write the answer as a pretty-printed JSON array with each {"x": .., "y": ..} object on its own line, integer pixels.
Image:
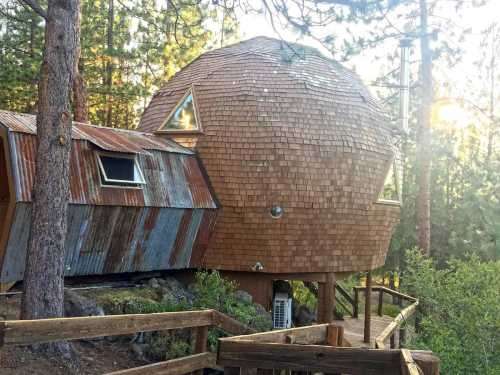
[
  {"x": 210, "y": 291},
  {"x": 460, "y": 309}
]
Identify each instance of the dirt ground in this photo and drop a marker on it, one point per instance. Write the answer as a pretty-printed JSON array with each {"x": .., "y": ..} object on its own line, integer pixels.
[{"x": 93, "y": 357}]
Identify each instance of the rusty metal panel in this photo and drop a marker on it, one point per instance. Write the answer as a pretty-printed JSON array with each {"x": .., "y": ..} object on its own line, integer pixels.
[
  {"x": 104, "y": 239},
  {"x": 172, "y": 179},
  {"x": 110, "y": 139}
]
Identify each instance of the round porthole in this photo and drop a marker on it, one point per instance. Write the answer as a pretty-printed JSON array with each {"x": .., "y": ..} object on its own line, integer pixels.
[{"x": 276, "y": 212}]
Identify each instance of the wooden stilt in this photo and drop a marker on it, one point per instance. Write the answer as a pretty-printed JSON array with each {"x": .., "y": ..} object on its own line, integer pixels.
[
  {"x": 368, "y": 304},
  {"x": 326, "y": 299}
]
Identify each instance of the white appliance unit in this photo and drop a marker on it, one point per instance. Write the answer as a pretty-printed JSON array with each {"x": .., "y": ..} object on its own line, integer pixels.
[{"x": 282, "y": 311}]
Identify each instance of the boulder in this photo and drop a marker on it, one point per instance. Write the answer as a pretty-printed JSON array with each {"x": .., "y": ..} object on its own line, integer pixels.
[
  {"x": 174, "y": 291},
  {"x": 78, "y": 305},
  {"x": 263, "y": 320},
  {"x": 243, "y": 296}
]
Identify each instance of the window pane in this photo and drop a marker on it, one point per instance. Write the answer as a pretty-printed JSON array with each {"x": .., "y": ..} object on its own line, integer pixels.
[
  {"x": 390, "y": 190},
  {"x": 183, "y": 118},
  {"x": 118, "y": 168}
]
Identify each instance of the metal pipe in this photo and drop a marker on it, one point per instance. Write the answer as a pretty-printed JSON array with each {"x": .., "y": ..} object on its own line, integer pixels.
[{"x": 404, "y": 80}]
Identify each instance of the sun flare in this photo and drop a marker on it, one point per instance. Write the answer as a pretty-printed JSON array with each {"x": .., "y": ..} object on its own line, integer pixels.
[{"x": 448, "y": 115}]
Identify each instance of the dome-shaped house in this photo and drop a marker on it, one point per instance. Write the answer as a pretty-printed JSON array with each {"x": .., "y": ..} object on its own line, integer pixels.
[{"x": 299, "y": 156}]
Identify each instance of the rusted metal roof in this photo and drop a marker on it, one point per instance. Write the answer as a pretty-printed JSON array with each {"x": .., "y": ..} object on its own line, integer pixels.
[
  {"x": 172, "y": 179},
  {"x": 109, "y": 139}
]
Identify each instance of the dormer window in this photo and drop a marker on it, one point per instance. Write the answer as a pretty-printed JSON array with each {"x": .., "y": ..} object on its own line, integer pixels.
[
  {"x": 391, "y": 189},
  {"x": 120, "y": 170},
  {"x": 184, "y": 117}
]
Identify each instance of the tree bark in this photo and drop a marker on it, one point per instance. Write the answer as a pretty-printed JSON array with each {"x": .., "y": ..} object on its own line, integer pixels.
[
  {"x": 80, "y": 98},
  {"x": 424, "y": 149},
  {"x": 43, "y": 277}
]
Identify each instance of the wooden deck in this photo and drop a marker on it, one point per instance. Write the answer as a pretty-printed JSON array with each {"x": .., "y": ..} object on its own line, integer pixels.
[{"x": 354, "y": 328}]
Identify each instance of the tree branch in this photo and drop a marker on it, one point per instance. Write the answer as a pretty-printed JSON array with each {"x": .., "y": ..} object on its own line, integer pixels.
[{"x": 33, "y": 4}]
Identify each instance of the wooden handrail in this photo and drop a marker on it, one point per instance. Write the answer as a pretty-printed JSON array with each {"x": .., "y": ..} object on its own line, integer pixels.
[
  {"x": 392, "y": 292},
  {"x": 389, "y": 330},
  {"x": 316, "y": 349},
  {"x": 178, "y": 366},
  {"x": 408, "y": 365},
  {"x": 28, "y": 332}
]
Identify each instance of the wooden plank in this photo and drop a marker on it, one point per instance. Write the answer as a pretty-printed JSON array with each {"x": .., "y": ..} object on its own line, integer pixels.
[
  {"x": 392, "y": 292},
  {"x": 326, "y": 299},
  {"x": 428, "y": 363},
  {"x": 380, "y": 301},
  {"x": 332, "y": 335},
  {"x": 368, "y": 308},
  {"x": 303, "y": 335},
  {"x": 313, "y": 358},
  {"x": 408, "y": 366},
  {"x": 389, "y": 330},
  {"x": 232, "y": 371},
  {"x": 26, "y": 332},
  {"x": 201, "y": 344},
  {"x": 177, "y": 366},
  {"x": 230, "y": 325},
  {"x": 356, "y": 304}
]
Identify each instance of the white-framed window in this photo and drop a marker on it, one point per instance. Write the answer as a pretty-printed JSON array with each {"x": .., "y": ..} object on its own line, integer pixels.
[
  {"x": 184, "y": 117},
  {"x": 391, "y": 190},
  {"x": 120, "y": 170}
]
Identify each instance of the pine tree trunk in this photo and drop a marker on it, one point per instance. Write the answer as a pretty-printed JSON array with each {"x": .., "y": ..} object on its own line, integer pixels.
[
  {"x": 43, "y": 277},
  {"x": 80, "y": 99},
  {"x": 424, "y": 149}
]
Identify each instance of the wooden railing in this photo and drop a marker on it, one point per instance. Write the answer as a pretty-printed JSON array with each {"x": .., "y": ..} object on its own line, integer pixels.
[
  {"x": 404, "y": 315},
  {"x": 311, "y": 349},
  {"x": 29, "y": 332},
  {"x": 344, "y": 293}
]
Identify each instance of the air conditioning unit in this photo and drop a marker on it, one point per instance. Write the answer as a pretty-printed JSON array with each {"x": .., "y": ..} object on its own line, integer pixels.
[{"x": 282, "y": 311}]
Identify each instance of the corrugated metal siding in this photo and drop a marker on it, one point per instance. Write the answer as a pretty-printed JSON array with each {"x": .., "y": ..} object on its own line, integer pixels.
[
  {"x": 172, "y": 179},
  {"x": 104, "y": 239}
]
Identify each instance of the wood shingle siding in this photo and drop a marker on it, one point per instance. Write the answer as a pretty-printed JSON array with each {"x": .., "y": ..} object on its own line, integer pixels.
[{"x": 287, "y": 126}]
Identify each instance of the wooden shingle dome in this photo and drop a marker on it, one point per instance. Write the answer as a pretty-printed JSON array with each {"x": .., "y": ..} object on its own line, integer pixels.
[{"x": 280, "y": 126}]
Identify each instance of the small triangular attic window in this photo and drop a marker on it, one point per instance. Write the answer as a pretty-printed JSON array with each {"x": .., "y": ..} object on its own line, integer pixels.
[
  {"x": 390, "y": 190},
  {"x": 183, "y": 118}
]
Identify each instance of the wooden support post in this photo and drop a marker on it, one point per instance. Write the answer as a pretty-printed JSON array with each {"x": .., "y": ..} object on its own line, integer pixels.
[
  {"x": 326, "y": 299},
  {"x": 356, "y": 304},
  {"x": 201, "y": 344},
  {"x": 428, "y": 363},
  {"x": 368, "y": 305},
  {"x": 332, "y": 335},
  {"x": 380, "y": 301},
  {"x": 393, "y": 341},
  {"x": 402, "y": 337}
]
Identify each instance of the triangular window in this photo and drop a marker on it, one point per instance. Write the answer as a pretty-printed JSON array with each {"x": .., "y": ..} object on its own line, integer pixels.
[
  {"x": 390, "y": 191},
  {"x": 183, "y": 118}
]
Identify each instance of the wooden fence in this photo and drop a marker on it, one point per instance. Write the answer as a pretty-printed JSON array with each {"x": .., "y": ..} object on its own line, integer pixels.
[
  {"x": 403, "y": 316},
  {"x": 29, "y": 332},
  {"x": 311, "y": 349}
]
